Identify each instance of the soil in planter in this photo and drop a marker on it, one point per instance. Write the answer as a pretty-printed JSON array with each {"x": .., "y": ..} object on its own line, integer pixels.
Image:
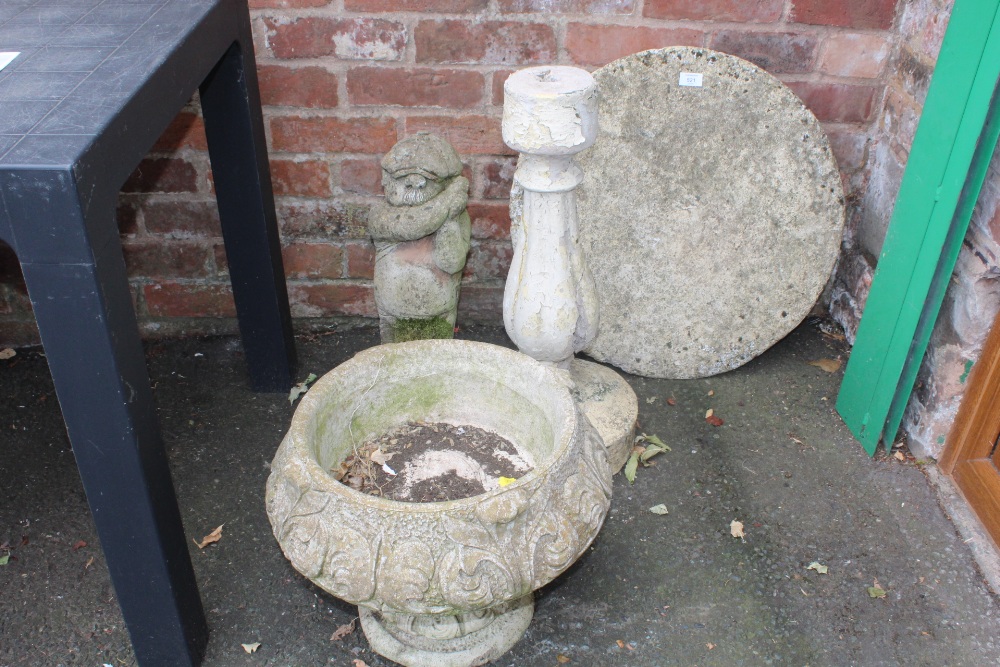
[{"x": 432, "y": 462}]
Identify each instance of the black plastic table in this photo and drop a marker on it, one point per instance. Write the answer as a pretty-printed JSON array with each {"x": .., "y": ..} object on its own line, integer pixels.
[{"x": 95, "y": 85}]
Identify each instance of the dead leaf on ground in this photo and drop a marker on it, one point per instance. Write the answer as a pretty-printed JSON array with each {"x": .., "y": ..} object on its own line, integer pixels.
[
  {"x": 709, "y": 646},
  {"x": 343, "y": 630},
  {"x": 211, "y": 538},
  {"x": 250, "y": 648},
  {"x": 562, "y": 659},
  {"x": 620, "y": 643},
  {"x": 713, "y": 420},
  {"x": 632, "y": 465},
  {"x": 671, "y": 401},
  {"x": 659, "y": 509},
  {"x": 78, "y": 545},
  {"x": 359, "y": 663},
  {"x": 653, "y": 446},
  {"x": 828, "y": 365},
  {"x": 651, "y": 400},
  {"x": 301, "y": 388},
  {"x": 90, "y": 561},
  {"x": 876, "y": 590},
  {"x": 736, "y": 529},
  {"x": 711, "y": 392},
  {"x": 819, "y": 567},
  {"x": 899, "y": 456},
  {"x": 7, "y": 353}
]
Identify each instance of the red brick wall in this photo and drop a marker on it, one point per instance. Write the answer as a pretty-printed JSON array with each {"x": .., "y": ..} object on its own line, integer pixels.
[
  {"x": 342, "y": 80},
  {"x": 917, "y": 38}
]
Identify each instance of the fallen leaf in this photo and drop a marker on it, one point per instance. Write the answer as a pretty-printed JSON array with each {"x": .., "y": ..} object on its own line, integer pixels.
[
  {"x": 653, "y": 440},
  {"x": 620, "y": 643},
  {"x": 359, "y": 663},
  {"x": 631, "y": 466},
  {"x": 899, "y": 456},
  {"x": 714, "y": 421},
  {"x": 562, "y": 659},
  {"x": 340, "y": 471},
  {"x": 7, "y": 353},
  {"x": 90, "y": 561},
  {"x": 653, "y": 447},
  {"x": 650, "y": 452},
  {"x": 709, "y": 413},
  {"x": 211, "y": 538},
  {"x": 876, "y": 590},
  {"x": 343, "y": 631},
  {"x": 79, "y": 545},
  {"x": 828, "y": 365},
  {"x": 380, "y": 457},
  {"x": 736, "y": 529},
  {"x": 4, "y": 559},
  {"x": 651, "y": 400},
  {"x": 671, "y": 401},
  {"x": 504, "y": 481},
  {"x": 301, "y": 388},
  {"x": 250, "y": 648},
  {"x": 711, "y": 392},
  {"x": 709, "y": 646},
  {"x": 820, "y": 568},
  {"x": 658, "y": 509}
]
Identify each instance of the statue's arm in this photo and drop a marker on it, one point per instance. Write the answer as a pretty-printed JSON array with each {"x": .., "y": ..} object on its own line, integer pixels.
[
  {"x": 408, "y": 223},
  {"x": 451, "y": 243}
]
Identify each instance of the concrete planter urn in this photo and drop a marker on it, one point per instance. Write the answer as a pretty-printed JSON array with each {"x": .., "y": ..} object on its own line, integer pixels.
[{"x": 443, "y": 584}]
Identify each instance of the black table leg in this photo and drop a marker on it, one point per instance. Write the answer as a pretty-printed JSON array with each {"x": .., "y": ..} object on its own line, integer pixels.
[
  {"x": 88, "y": 328},
  {"x": 235, "y": 129}
]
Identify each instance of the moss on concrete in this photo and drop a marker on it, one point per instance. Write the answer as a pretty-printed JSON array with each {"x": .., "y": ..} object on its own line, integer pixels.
[{"x": 406, "y": 329}]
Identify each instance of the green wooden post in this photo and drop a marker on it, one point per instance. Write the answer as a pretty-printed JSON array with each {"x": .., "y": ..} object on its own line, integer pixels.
[{"x": 948, "y": 160}]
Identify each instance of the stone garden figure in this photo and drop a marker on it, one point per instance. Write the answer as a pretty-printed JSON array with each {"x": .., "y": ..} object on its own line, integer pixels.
[{"x": 421, "y": 233}]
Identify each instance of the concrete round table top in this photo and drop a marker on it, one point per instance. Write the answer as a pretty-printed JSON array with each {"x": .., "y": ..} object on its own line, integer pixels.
[{"x": 711, "y": 212}]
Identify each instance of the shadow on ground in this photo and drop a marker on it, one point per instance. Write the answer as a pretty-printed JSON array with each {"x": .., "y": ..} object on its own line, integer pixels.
[{"x": 652, "y": 591}]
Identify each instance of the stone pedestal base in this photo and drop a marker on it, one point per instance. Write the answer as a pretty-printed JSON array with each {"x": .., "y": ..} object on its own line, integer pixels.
[
  {"x": 465, "y": 640},
  {"x": 610, "y": 405}
]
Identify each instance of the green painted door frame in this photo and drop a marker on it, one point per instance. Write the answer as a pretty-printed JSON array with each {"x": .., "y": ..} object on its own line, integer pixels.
[{"x": 948, "y": 160}]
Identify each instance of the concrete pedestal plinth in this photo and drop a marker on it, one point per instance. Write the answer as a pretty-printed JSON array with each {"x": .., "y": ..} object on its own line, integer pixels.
[
  {"x": 610, "y": 405},
  {"x": 463, "y": 640}
]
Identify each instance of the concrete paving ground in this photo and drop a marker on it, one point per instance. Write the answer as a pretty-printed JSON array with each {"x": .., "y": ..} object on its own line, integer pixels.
[{"x": 653, "y": 590}]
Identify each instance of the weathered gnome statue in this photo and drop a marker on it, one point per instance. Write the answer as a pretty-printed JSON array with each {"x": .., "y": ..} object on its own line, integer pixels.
[{"x": 421, "y": 232}]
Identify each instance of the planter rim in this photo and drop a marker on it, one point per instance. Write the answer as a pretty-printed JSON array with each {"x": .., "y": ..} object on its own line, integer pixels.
[{"x": 558, "y": 391}]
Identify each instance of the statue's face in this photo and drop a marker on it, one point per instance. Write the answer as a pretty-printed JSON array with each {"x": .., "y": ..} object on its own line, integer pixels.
[{"x": 411, "y": 189}]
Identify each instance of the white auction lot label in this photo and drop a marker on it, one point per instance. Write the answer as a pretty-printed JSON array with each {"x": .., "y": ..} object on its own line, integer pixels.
[{"x": 690, "y": 79}]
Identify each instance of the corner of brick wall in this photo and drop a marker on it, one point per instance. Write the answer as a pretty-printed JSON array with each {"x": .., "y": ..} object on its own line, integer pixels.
[
  {"x": 967, "y": 315},
  {"x": 915, "y": 40},
  {"x": 342, "y": 80},
  {"x": 973, "y": 296}
]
